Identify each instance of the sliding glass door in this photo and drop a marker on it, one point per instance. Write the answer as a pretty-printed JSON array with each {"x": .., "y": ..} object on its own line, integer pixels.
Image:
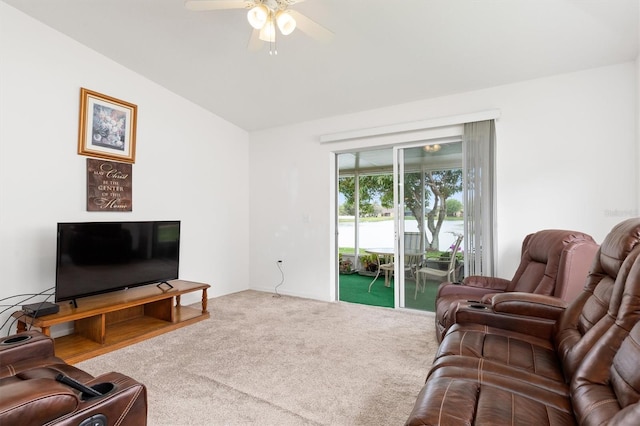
[
  {"x": 423, "y": 209},
  {"x": 365, "y": 224},
  {"x": 430, "y": 220},
  {"x": 400, "y": 208}
]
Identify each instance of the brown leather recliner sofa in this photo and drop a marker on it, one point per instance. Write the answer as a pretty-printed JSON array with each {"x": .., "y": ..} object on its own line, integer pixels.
[
  {"x": 526, "y": 359},
  {"x": 553, "y": 262},
  {"x": 31, "y": 395}
]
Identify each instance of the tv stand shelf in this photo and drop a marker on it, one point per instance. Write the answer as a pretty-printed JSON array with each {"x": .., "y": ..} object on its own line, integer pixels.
[{"x": 110, "y": 321}]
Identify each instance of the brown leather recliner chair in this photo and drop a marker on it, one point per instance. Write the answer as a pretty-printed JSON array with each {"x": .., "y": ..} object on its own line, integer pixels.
[
  {"x": 553, "y": 262},
  {"x": 526, "y": 360},
  {"x": 31, "y": 395}
]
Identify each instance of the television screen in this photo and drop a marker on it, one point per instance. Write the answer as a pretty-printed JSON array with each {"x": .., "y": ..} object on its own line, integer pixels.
[{"x": 98, "y": 257}]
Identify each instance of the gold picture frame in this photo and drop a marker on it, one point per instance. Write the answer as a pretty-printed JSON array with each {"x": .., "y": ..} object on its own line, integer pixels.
[{"x": 107, "y": 127}]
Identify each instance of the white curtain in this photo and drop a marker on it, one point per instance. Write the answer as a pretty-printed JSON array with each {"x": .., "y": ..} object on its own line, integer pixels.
[{"x": 478, "y": 144}]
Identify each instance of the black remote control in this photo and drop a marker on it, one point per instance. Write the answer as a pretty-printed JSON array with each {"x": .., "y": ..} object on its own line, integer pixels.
[{"x": 77, "y": 385}]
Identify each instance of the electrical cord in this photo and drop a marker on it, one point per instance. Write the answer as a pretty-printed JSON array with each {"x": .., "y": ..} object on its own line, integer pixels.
[
  {"x": 4, "y": 324},
  {"x": 27, "y": 297},
  {"x": 28, "y": 325},
  {"x": 15, "y": 320},
  {"x": 279, "y": 264},
  {"x": 31, "y": 295}
]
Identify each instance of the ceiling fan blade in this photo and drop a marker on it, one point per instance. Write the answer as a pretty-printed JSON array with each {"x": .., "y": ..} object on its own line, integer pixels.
[
  {"x": 255, "y": 43},
  {"x": 311, "y": 27},
  {"x": 216, "y": 4}
]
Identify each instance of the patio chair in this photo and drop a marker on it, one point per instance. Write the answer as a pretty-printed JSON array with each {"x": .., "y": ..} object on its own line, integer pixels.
[
  {"x": 413, "y": 260},
  {"x": 384, "y": 259},
  {"x": 386, "y": 264},
  {"x": 426, "y": 273}
]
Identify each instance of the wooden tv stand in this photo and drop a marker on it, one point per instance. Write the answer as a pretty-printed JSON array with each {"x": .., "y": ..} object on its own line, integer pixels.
[{"x": 110, "y": 321}]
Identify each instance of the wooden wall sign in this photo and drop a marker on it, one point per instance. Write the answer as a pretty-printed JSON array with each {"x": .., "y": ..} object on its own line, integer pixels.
[{"x": 108, "y": 186}]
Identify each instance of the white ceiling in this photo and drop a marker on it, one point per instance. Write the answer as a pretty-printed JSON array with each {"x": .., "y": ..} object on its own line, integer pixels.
[{"x": 384, "y": 52}]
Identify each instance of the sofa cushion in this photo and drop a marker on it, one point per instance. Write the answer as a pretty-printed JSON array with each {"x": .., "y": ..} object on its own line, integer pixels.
[
  {"x": 494, "y": 373},
  {"x": 509, "y": 348},
  {"x": 455, "y": 401},
  {"x": 35, "y": 402},
  {"x": 50, "y": 371}
]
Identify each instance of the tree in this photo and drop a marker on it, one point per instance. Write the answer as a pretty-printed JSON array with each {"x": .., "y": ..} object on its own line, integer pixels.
[
  {"x": 371, "y": 187},
  {"x": 439, "y": 185},
  {"x": 453, "y": 207},
  {"x": 345, "y": 210}
]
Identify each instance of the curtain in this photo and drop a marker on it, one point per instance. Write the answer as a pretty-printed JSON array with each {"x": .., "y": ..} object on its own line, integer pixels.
[{"x": 478, "y": 144}]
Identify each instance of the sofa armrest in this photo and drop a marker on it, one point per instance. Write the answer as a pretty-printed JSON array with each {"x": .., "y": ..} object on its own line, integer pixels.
[
  {"x": 481, "y": 314},
  {"x": 45, "y": 401},
  {"x": 490, "y": 283},
  {"x": 529, "y": 304},
  {"x": 25, "y": 346},
  {"x": 35, "y": 402},
  {"x": 473, "y": 287},
  {"x": 124, "y": 398}
]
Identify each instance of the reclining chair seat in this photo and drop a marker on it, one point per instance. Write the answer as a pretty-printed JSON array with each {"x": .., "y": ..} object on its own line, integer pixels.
[
  {"x": 604, "y": 390},
  {"x": 584, "y": 321},
  {"x": 601, "y": 380},
  {"x": 530, "y": 359},
  {"x": 540, "y": 356},
  {"x": 553, "y": 262}
]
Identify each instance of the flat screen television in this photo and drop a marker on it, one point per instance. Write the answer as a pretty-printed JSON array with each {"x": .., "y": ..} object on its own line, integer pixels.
[{"x": 99, "y": 257}]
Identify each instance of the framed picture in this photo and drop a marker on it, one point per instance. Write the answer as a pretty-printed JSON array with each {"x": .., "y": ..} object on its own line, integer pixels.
[{"x": 107, "y": 127}]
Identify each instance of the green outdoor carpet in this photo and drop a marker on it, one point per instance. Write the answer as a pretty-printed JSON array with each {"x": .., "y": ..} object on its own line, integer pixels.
[{"x": 354, "y": 288}]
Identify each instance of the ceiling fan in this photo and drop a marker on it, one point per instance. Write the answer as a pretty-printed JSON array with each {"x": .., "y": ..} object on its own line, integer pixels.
[{"x": 265, "y": 16}]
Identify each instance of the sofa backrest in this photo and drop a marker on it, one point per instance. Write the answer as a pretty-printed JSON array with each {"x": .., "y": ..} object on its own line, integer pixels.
[
  {"x": 554, "y": 262},
  {"x": 594, "y": 311},
  {"x": 606, "y": 386}
]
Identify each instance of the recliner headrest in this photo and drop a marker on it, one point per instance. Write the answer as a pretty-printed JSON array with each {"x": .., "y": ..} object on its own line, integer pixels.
[
  {"x": 549, "y": 243},
  {"x": 617, "y": 245}
]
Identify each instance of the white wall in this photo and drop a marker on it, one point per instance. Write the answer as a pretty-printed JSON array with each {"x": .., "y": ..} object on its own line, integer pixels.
[
  {"x": 190, "y": 165},
  {"x": 566, "y": 158},
  {"x": 638, "y": 126},
  {"x": 638, "y": 116}
]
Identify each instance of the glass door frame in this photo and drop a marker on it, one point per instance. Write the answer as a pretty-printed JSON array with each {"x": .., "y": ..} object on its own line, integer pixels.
[
  {"x": 398, "y": 226},
  {"x": 399, "y": 214},
  {"x": 399, "y": 222}
]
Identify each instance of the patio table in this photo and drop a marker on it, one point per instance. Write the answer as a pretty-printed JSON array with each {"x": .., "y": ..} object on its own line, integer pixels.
[{"x": 384, "y": 256}]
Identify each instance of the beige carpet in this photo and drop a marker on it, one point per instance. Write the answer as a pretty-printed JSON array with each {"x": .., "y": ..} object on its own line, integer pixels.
[{"x": 264, "y": 360}]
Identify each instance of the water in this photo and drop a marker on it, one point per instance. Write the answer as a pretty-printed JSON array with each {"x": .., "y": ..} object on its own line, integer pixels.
[{"x": 380, "y": 234}]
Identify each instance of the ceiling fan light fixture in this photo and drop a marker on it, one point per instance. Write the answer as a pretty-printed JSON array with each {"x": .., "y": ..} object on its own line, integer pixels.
[
  {"x": 258, "y": 16},
  {"x": 285, "y": 22},
  {"x": 268, "y": 32},
  {"x": 432, "y": 148}
]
